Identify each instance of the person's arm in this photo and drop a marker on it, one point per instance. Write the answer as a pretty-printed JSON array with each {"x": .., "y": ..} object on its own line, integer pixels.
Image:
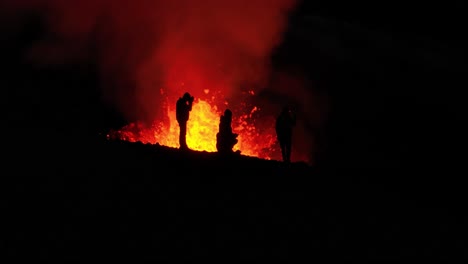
[
  {"x": 190, "y": 103},
  {"x": 277, "y": 125}
]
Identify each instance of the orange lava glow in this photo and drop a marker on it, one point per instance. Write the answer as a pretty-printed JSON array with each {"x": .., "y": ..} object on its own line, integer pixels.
[{"x": 201, "y": 131}]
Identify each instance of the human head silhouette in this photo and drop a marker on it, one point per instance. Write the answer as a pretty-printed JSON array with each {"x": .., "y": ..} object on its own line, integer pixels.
[{"x": 228, "y": 113}]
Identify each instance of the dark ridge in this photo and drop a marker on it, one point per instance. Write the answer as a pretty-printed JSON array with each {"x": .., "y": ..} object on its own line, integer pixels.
[{"x": 130, "y": 200}]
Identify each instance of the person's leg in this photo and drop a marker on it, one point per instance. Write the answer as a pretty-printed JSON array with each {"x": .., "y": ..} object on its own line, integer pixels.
[
  {"x": 223, "y": 145},
  {"x": 233, "y": 141},
  {"x": 283, "y": 151},
  {"x": 288, "y": 152},
  {"x": 218, "y": 142},
  {"x": 288, "y": 148},
  {"x": 182, "y": 135}
]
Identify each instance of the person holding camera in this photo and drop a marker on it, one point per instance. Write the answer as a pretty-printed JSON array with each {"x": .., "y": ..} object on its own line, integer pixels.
[{"x": 183, "y": 108}]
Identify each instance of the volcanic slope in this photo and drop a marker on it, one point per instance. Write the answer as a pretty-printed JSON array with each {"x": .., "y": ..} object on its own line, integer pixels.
[{"x": 119, "y": 200}]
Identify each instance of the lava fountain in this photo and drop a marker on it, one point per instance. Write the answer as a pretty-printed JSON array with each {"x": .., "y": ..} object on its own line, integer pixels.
[
  {"x": 140, "y": 46},
  {"x": 255, "y": 139}
]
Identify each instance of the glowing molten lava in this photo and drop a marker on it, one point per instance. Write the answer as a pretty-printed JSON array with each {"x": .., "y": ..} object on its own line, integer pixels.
[{"x": 201, "y": 131}]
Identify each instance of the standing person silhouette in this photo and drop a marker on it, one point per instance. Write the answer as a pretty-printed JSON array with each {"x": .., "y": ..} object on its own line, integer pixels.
[
  {"x": 284, "y": 128},
  {"x": 183, "y": 108}
]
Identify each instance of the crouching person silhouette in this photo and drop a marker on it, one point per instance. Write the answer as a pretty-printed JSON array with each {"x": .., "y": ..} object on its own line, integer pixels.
[{"x": 225, "y": 139}]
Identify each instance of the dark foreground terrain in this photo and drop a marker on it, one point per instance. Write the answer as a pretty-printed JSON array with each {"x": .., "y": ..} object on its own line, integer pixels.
[{"x": 128, "y": 200}]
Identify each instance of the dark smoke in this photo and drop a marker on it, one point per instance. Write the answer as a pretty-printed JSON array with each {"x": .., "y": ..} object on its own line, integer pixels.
[
  {"x": 145, "y": 48},
  {"x": 292, "y": 86}
]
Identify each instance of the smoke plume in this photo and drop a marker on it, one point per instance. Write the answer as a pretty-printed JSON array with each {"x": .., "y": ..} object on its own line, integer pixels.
[{"x": 148, "y": 48}]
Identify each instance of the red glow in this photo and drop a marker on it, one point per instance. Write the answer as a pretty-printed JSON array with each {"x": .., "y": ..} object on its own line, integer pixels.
[
  {"x": 202, "y": 128},
  {"x": 149, "y": 52}
]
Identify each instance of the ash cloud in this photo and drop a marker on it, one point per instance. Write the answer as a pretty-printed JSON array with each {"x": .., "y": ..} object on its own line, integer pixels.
[{"x": 146, "y": 48}]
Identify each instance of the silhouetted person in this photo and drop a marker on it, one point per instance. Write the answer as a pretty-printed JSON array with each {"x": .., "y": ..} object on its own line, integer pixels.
[
  {"x": 225, "y": 139},
  {"x": 284, "y": 128},
  {"x": 183, "y": 108}
]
